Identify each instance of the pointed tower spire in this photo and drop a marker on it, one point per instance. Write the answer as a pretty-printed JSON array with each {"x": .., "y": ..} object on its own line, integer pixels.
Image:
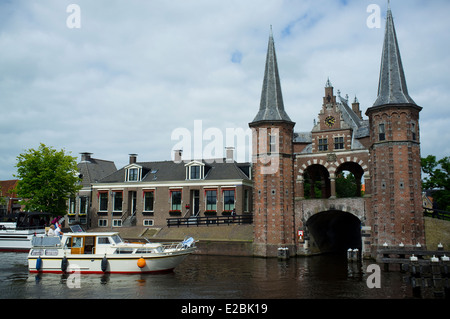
[
  {"x": 392, "y": 87},
  {"x": 271, "y": 107}
]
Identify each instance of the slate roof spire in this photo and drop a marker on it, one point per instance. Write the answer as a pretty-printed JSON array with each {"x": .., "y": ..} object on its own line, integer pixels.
[
  {"x": 392, "y": 87},
  {"x": 271, "y": 105}
]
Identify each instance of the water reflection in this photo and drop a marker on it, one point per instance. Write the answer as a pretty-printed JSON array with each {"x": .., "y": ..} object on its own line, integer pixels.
[{"x": 212, "y": 277}]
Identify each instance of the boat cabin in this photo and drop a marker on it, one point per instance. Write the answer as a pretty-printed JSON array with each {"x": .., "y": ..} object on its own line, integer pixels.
[
  {"x": 105, "y": 243},
  {"x": 91, "y": 243}
]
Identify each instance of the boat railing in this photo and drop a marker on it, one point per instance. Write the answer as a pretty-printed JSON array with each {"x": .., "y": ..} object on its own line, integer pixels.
[
  {"x": 186, "y": 243},
  {"x": 169, "y": 246},
  {"x": 46, "y": 241}
]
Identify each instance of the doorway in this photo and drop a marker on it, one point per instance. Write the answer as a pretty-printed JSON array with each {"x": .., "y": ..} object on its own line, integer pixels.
[
  {"x": 195, "y": 202},
  {"x": 132, "y": 202}
]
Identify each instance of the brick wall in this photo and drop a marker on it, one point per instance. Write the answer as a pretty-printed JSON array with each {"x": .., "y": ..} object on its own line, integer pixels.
[{"x": 396, "y": 205}]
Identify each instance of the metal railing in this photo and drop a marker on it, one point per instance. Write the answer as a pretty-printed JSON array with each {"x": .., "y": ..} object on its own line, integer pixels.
[
  {"x": 210, "y": 221},
  {"x": 436, "y": 213}
]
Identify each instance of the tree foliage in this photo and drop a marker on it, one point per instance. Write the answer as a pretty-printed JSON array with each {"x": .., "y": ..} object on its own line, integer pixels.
[
  {"x": 47, "y": 178},
  {"x": 437, "y": 178},
  {"x": 346, "y": 186}
]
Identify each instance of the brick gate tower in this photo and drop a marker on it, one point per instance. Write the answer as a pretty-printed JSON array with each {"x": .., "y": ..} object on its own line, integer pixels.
[
  {"x": 273, "y": 178},
  {"x": 296, "y": 174},
  {"x": 396, "y": 213}
]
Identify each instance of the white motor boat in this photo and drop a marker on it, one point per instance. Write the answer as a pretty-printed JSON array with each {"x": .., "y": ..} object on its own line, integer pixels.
[
  {"x": 17, "y": 235},
  {"x": 104, "y": 252}
]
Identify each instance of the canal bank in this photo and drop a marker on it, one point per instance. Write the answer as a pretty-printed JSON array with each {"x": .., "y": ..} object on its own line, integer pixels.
[
  {"x": 237, "y": 240},
  {"x": 233, "y": 240}
]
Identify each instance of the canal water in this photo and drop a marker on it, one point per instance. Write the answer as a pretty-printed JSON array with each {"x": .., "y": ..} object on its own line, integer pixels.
[{"x": 210, "y": 277}]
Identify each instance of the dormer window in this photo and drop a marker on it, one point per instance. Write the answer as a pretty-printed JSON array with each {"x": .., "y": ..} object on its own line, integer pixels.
[
  {"x": 133, "y": 173},
  {"x": 195, "y": 170}
]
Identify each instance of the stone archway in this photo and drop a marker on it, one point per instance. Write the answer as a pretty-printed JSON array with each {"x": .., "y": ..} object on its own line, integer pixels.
[
  {"x": 316, "y": 182},
  {"x": 356, "y": 172},
  {"x": 334, "y": 231}
]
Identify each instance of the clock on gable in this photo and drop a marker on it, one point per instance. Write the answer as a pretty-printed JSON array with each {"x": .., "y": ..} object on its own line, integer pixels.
[{"x": 329, "y": 121}]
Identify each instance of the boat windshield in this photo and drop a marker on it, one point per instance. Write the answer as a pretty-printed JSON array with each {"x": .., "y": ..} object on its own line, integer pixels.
[{"x": 117, "y": 239}]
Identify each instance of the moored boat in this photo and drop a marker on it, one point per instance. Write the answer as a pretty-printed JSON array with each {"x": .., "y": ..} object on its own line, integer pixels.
[
  {"x": 104, "y": 252},
  {"x": 17, "y": 235}
]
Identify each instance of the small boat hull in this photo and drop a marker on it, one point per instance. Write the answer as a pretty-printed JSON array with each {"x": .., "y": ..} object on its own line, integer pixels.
[{"x": 94, "y": 264}]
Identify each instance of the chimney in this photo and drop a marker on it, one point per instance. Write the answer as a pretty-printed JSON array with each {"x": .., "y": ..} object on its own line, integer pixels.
[
  {"x": 178, "y": 156},
  {"x": 229, "y": 154},
  {"x": 355, "y": 108},
  {"x": 133, "y": 158},
  {"x": 86, "y": 157}
]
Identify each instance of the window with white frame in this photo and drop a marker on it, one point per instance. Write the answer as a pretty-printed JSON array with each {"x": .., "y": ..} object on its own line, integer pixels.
[
  {"x": 84, "y": 205},
  {"x": 148, "y": 222},
  {"x": 117, "y": 222},
  {"x": 195, "y": 170},
  {"x": 273, "y": 142},
  {"x": 149, "y": 199},
  {"x": 211, "y": 199},
  {"x": 103, "y": 201},
  {"x": 228, "y": 199},
  {"x": 175, "y": 200},
  {"x": 102, "y": 223},
  {"x": 323, "y": 144},
  {"x": 339, "y": 143},
  {"x": 72, "y": 206},
  {"x": 133, "y": 173},
  {"x": 117, "y": 201}
]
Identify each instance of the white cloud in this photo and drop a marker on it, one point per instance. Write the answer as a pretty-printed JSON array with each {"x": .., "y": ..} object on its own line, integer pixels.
[{"x": 137, "y": 70}]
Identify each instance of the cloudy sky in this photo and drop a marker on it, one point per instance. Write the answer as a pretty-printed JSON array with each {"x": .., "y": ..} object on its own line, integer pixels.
[{"x": 135, "y": 72}]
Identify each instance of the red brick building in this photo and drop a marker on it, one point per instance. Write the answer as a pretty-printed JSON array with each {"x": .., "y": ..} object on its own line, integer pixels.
[
  {"x": 9, "y": 202},
  {"x": 307, "y": 186},
  {"x": 148, "y": 193}
]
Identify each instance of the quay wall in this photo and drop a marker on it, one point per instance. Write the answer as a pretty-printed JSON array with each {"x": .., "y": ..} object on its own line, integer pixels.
[
  {"x": 224, "y": 248},
  {"x": 237, "y": 240}
]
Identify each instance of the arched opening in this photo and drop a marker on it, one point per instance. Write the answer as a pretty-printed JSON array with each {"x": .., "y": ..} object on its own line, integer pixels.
[
  {"x": 335, "y": 231},
  {"x": 349, "y": 180},
  {"x": 316, "y": 182}
]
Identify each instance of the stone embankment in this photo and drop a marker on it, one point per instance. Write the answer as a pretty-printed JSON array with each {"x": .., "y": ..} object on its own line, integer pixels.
[{"x": 236, "y": 240}]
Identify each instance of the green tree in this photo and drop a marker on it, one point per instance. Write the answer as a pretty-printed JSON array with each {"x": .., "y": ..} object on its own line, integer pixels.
[
  {"x": 437, "y": 177},
  {"x": 47, "y": 178},
  {"x": 346, "y": 186}
]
